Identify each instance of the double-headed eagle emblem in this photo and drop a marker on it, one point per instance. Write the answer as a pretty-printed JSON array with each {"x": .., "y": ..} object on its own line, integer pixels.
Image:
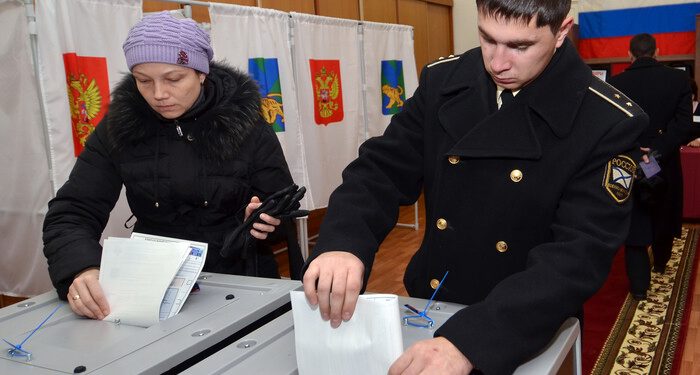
[
  {"x": 327, "y": 88},
  {"x": 85, "y": 104}
]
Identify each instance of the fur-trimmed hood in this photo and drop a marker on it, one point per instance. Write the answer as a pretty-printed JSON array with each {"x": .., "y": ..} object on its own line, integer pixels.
[{"x": 230, "y": 108}]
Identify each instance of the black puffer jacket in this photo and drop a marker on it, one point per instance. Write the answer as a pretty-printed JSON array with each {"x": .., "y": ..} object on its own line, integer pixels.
[{"x": 188, "y": 178}]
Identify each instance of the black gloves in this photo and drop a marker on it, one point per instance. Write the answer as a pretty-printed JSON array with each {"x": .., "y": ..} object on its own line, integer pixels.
[{"x": 283, "y": 204}]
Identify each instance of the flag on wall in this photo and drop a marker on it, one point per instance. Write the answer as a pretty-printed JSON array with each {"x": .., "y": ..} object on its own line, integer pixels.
[
  {"x": 605, "y": 27},
  {"x": 87, "y": 85},
  {"x": 256, "y": 40},
  {"x": 327, "y": 54},
  {"x": 327, "y": 91},
  {"x": 266, "y": 72},
  {"x": 390, "y": 72},
  {"x": 393, "y": 87}
]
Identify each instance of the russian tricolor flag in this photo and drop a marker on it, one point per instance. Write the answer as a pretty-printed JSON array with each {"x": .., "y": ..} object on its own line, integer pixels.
[{"x": 606, "y": 26}]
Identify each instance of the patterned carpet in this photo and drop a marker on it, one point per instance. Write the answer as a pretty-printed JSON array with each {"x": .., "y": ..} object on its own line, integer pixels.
[{"x": 646, "y": 334}]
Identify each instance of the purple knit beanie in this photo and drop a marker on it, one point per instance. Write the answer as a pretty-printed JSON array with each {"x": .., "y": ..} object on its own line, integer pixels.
[{"x": 163, "y": 38}]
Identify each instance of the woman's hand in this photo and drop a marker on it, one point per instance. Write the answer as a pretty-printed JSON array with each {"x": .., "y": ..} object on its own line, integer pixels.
[
  {"x": 86, "y": 297},
  {"x": 260, "y": 230},
  {"x": 694, "y": 143}
]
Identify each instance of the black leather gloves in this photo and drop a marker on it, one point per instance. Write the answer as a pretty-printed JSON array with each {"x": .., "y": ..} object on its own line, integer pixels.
[{"x": 283, "y": 204}]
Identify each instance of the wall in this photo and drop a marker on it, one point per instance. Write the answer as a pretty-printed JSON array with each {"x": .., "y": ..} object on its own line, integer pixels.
[{"x": 431, "y": 19}]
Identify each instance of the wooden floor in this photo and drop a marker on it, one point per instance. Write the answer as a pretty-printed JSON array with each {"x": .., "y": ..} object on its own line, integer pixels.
[{"x": 397, "y": 249}]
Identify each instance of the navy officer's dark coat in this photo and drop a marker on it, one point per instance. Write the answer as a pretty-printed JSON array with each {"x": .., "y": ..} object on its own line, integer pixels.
[{"x": 525, "y": 206}]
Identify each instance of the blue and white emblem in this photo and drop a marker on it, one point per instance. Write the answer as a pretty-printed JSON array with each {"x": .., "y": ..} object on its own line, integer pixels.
[{"x": 619, "y": 177}]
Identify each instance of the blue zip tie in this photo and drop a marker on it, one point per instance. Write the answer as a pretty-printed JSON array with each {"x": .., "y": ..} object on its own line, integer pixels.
[{"x": 17, "y": 349}]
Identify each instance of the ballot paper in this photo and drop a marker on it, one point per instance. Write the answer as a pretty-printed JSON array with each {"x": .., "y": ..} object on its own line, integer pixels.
[
  {"x": 366, "y": 344},
  {"x": 148, "y": 278}
]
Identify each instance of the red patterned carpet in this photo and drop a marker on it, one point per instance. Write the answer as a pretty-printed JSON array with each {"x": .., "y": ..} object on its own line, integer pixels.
[
  {"x": 600, "y": 312},
  {"x": 623, "y": 336}
]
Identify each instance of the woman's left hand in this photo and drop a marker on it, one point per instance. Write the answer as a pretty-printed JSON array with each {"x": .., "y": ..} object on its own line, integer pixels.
[{"x": 260, "y": 230}]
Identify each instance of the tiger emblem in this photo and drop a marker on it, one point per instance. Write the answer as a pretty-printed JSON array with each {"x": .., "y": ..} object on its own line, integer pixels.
[
  {"x": 394, "y": 95},
  {"x": 271, "y": 108}
]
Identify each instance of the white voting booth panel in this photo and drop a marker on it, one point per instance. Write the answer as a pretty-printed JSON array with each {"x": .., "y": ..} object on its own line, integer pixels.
[
  {"x": 224, "y": 305},
  {"x": 270, "y": 349}
]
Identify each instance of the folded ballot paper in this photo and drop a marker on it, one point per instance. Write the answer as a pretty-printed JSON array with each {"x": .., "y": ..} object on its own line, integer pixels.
[
  {"x": 366, "y": 344},
  {"x": 147, "y": 278}
]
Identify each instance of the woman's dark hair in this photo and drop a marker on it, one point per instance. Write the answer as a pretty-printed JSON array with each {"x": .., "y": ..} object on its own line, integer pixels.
[{"x": 546, "y": 12}]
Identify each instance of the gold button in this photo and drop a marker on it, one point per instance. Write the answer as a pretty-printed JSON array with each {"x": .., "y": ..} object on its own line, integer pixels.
[
  {"x": 434, "y": 283},
  {"x": 501, "y": 246},
  {"x": 661, "y": 131},
  {"x": 516, "y": 175},
  {"x": 441, "y": 224},
  {"x": 453, "y": 159}
]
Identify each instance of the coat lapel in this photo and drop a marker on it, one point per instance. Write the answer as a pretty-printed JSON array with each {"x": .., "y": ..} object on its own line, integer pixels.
[
  {"x": 506, "y": 133},
  {"x": 477, "y": 129}
]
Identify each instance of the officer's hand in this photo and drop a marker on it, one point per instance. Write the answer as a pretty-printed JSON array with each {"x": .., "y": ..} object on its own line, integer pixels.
[
  {"x": 85, "y": 295},
  {"x": 333, "y": 282},
  {"x": 260, "y": 230},
  {"x": 433, "y": 356},
  {"x": 645, "y": 152}
]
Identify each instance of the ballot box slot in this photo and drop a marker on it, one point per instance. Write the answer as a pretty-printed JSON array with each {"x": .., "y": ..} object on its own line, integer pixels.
[{"x": 230, "y": 339}]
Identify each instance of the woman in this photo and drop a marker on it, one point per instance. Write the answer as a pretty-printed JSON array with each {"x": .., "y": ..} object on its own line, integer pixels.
[{"x": 185, "y": 137}]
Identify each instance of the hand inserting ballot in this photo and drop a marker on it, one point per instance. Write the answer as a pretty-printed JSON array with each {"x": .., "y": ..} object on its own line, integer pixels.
[{"x": 283, "y": 204}]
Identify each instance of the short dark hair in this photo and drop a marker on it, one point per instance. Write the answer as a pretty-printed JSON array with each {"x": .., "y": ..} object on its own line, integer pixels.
[
  {"x": 547, "y": 12},
  {"x": 643, "y": 45}
]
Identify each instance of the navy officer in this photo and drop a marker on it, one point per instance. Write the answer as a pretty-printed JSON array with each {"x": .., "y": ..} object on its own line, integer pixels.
[{"x": 526, "y": 161}]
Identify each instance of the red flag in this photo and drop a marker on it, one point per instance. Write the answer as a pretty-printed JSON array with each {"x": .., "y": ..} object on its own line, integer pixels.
[
  {"x": 328, "y": 91},
  {"x": 88, "y": 94}
]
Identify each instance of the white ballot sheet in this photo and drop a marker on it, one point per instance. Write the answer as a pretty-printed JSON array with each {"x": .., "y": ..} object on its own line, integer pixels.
[
  {"x": 186, "y": 276},
  {"x": 134, "y": 274},
  {"x": 366, "y": 344}
]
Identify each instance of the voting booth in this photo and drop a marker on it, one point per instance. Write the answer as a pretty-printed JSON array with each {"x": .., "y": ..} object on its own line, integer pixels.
[{"x": 225, "y": 308}]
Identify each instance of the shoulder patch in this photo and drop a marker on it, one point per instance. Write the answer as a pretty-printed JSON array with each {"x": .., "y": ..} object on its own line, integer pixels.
[
  {"x": 615, "y": 97},
  {"x": 443, "y": 59},
  {"x": 618, "y": 177}
]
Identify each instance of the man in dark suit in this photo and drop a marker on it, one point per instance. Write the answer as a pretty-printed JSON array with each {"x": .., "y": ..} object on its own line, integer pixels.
[
  {"x": 665, "y": 95},
  {"x": 526, "y": 161}
]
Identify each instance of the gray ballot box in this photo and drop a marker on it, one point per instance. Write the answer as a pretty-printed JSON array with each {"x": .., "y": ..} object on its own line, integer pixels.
[
  {"x": 224, "y": 309},
  {"x": 270, "y": 349}
]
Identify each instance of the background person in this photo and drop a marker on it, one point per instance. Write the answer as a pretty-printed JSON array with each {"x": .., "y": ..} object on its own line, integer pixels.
[
  {"x": 526, "y": 205},
  {"x": 185, "y": 136},
  {"x": 665, "y": 95}
]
